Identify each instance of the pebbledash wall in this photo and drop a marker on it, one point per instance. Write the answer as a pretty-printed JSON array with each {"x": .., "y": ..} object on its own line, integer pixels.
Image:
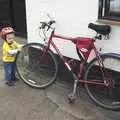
[{"x": 72, "y": 18}]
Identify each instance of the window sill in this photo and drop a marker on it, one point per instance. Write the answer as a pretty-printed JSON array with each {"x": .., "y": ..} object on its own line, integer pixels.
[{"x": 108, "y": 22}]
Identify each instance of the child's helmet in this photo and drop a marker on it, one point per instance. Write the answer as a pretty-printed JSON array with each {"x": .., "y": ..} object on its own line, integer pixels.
[{"x": 5, "y": 31}]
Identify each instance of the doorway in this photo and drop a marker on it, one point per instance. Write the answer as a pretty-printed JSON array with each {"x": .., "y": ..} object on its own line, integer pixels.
[{"x": 14, "y": 12}]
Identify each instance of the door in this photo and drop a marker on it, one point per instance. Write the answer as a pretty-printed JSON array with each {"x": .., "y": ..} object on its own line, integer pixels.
[
  {"x": 19, "y": 16},
  {"x": 13, "y": 12},
  {"x": 4, "y": 12}
]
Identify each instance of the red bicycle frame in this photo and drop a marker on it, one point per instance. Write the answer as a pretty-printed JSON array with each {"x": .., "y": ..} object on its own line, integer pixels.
[{"x": 84, "y": 60}]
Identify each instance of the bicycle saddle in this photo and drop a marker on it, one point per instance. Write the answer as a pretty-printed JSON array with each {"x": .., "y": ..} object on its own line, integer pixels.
[{"x": 101, "y": 29}]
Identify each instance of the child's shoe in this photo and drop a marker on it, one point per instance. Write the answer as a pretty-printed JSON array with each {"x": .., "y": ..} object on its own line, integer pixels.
[
  {"x": 10, "y": 83},
  {"x": 15, "y": 79}
]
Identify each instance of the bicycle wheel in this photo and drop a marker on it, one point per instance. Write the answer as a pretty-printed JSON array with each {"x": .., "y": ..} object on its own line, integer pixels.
[
  {"x": 33, "y": 70},
  {"x": 103, "y": 83}
]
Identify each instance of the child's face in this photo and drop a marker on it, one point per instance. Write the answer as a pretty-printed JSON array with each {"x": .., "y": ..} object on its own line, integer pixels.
[{"x": 10, "y": 37}]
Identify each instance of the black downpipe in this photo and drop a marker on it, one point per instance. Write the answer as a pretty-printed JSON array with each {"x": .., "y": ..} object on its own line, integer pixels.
[{"x": 11, "y": 8}]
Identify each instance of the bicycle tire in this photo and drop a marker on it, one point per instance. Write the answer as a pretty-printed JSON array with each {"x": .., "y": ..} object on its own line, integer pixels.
[
  {"x": 35, "y": 73},
  {"x": 106, "y": 95}
]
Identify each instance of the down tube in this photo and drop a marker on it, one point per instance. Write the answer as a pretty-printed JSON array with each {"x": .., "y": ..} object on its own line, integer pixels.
[{"x": 61, "y": 56}]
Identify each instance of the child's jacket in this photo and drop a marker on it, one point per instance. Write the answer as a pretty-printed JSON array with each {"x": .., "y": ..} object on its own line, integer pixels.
[{"x": 6, "y": 47}]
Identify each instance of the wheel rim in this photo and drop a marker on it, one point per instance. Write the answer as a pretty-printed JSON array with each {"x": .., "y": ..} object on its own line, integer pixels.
[
  {"x": 103, "y": 95},
  {"x": 32, "y": 71}
]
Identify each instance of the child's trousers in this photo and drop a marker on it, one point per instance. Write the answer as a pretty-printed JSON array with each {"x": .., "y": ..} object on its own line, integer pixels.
[{"x": 9, "y": 69}]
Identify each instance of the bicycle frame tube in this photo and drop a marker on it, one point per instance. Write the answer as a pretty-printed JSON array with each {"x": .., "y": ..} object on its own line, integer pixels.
[
  {"x": 63, "y": 37},
  {"x": 97, "y": 54},
  {"x": 50, "y": 42},
  {"x": 41, "y": 58},
  {"x": 57, "y": 50},
  {"x": 47, "y": 46},
  {"x": 100, "y": 63}
]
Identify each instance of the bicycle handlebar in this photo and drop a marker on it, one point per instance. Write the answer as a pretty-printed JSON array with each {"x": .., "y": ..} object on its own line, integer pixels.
[
  {"x": 47, "y": 24},
  {"x": 43, "y": 27},
  {"x": 50, "y": 23}
]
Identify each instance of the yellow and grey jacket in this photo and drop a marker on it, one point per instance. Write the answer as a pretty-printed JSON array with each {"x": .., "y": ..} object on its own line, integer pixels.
[{"x": 9, "y": 51}]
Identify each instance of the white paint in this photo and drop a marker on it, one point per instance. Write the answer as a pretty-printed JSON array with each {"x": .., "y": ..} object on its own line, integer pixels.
[{"x": 72, "y": 17}]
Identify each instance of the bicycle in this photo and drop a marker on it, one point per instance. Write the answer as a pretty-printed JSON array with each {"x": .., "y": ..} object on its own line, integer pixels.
[{"x": 37, "y": 66}]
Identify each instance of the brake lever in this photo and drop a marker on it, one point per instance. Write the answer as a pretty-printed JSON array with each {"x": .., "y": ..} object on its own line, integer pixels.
[
  {"x": 43, "y": 24},
  {"x": 50, "y": 23}
]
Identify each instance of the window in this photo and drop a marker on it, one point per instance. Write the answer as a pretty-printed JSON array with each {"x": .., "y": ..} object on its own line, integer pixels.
[{"x": 109, "y": 9}]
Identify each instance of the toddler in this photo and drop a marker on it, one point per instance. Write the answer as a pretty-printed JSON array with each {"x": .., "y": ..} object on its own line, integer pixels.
[{"x": 10, "y": 49}]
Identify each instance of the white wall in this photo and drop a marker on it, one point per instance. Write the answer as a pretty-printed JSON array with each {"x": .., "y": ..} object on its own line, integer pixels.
[{"x": 72, "y": 17}]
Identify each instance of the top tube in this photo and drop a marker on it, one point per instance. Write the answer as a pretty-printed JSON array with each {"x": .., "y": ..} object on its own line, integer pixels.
[{"x": 64, "y": 37}]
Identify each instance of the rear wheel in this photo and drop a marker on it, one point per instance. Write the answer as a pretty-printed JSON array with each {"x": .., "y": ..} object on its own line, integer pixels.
[
  {"x": 33, "y": 70},
  {"x": 103, "y": 83}
]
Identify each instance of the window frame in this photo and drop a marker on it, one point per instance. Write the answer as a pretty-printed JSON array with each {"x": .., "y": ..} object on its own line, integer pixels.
[{"x": 104, "y": 13}]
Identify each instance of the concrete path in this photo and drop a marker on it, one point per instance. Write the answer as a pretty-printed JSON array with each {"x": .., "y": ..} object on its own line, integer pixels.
[{"x": 22, "y": 102}]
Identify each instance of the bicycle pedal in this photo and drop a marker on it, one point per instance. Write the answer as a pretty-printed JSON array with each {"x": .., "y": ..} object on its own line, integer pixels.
[{"x": 71, "y": 98}]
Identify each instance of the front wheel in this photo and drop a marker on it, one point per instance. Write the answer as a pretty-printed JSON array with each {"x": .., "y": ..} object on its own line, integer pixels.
[
  {"x": 103, "y": 81},
  {"x": 34, "y": 68}
]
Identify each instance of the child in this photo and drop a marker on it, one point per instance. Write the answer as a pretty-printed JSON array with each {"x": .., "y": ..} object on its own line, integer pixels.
[{"x": 10, "y": 49}]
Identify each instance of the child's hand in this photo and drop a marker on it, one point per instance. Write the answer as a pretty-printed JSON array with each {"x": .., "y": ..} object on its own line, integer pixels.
[{"x": 20, "y": 48}]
